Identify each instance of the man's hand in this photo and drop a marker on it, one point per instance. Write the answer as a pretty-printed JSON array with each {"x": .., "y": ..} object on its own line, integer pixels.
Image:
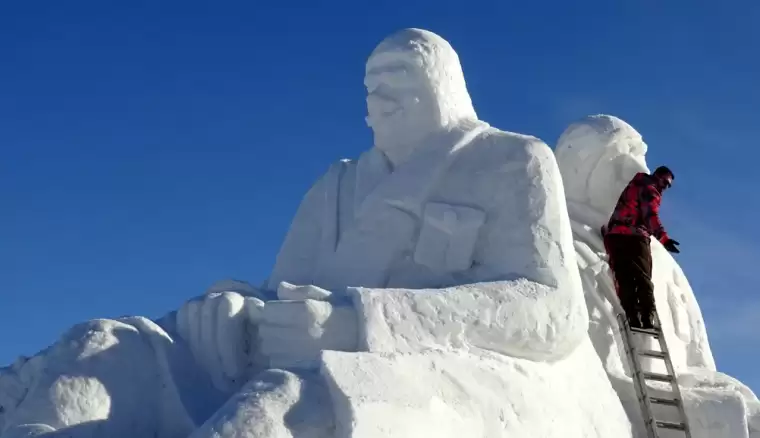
[{"x": 672, "y": 246}]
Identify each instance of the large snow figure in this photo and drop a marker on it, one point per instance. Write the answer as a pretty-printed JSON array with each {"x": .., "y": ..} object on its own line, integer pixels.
[
  {"x": 598, "y": 156},
  {"x": 452, "y": 241},
  {"x": 441, "y": 199}
]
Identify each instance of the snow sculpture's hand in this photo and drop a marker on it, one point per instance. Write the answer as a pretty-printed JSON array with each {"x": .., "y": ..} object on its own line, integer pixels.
[
  {"x": 295, "y": 329},
  {"x": 672, "y": 246},
  {"x": 221, "y": 331}
]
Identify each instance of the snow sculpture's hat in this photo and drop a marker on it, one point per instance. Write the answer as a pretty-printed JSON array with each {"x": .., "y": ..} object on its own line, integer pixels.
[
  {"x": 415, "y": 86},
  {"x": 597, "y": 156}
]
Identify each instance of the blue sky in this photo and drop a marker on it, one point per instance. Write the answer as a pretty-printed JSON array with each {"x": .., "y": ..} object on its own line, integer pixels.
[{"x": 149, "y": 149}]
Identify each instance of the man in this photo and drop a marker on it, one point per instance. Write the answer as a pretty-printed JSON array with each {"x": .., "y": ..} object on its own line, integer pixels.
[{"x": 626, "y": 239}]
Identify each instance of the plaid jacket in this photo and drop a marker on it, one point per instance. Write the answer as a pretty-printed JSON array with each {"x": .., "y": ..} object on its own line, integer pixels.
[{"x": 637, "y": 210}]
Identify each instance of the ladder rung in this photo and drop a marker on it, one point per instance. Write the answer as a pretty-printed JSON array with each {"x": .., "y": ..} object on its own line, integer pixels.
[
  {"x": 659, "y": 377},
  {"x": 652, "y": 353},
  {"x": 650, "y": 332},
  {"x": 665, "y": 401},
  {"x": 669, "y": 425}
]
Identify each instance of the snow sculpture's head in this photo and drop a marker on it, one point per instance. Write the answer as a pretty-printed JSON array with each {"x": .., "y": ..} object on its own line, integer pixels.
[
  {"x": 415, "y": 86},
  {"x": 597, "y": 157}
]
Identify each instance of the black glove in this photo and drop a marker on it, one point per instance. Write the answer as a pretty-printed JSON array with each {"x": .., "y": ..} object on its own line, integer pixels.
[{"x": 672, "y": 246}]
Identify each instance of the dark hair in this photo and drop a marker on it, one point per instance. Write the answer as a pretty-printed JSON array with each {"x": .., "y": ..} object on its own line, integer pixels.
[{"x": 663, "y": 170}]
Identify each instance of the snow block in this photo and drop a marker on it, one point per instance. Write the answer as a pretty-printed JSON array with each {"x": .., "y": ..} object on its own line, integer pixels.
[
  {"x": 716, "y": 413},
  {"x": 517, "y": 318},
  {"x": 456, "y": 395}
]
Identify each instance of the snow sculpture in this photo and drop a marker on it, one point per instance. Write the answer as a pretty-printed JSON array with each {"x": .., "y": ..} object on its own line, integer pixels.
[
  {"x": 428, "y": 289},
  {"x": 598, "y": 156},
  {"x": 447, "y": 245},
  {"x": 442, "y": 199}
]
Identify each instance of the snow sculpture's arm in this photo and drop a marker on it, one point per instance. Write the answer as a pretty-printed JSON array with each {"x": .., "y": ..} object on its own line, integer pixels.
[{"x": 527, "y": 233}]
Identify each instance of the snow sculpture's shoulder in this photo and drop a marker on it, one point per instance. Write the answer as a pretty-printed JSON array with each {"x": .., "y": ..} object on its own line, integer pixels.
[
  {"x": 509, "y": 151},
  {"x": 528, "y": 144},
  {"x": 296, "y": 259}
]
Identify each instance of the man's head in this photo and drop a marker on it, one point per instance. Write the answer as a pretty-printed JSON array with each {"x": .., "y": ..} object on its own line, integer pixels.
[
  {"x": 415, "y": 86},
  {"x": 663, "y": 178}
]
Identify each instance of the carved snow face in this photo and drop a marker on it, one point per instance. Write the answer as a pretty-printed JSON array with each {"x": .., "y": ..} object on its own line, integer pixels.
[
  {"x": 598, "y": 156},
  {"x": 415, "y": 87},
  {"x": 400, "y": 105}
]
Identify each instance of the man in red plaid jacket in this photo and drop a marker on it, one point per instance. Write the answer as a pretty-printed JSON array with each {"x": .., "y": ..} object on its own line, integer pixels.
[{"x": 627, "y": 239}]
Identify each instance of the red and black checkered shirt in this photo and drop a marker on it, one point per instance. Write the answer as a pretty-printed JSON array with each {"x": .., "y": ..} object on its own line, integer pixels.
[{"x": 637, "y": 210}]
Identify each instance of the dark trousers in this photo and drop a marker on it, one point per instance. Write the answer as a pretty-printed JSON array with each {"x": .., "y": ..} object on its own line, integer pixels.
[{"x": 631, "y": 263}]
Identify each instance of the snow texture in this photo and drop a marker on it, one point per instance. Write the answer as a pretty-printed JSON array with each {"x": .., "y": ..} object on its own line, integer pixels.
[
  {"x": 275, "y": 404},
  {"x": 446, "y": 394},
  {"x": 444, "y": 284},
  {"x": 515, "y": 318}
]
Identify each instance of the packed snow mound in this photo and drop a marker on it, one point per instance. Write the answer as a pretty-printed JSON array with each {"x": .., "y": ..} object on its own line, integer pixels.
[
  {"x": 435, "y": 286},
  {"x": 277, "y": 404},
  {"x": 99, "y": 378},
  {"x": 131, "y": 377}
]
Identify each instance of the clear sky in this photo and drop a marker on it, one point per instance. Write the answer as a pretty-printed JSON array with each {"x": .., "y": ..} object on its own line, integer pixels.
[{"x": 148, "y": 149}]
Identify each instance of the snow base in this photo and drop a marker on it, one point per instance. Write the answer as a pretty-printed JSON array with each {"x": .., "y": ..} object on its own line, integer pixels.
[{"x": 458, "y": 394}]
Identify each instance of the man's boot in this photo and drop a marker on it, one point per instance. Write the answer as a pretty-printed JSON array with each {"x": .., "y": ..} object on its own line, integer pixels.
[
  {"x": 633, "y": 318},
  {"x": 647, "y": 320}
]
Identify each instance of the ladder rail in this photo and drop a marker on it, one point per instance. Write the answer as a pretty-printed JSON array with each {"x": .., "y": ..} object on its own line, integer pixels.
[
  {"x": 672, "y": 372},
  {"x": 638, "y": 379}
]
